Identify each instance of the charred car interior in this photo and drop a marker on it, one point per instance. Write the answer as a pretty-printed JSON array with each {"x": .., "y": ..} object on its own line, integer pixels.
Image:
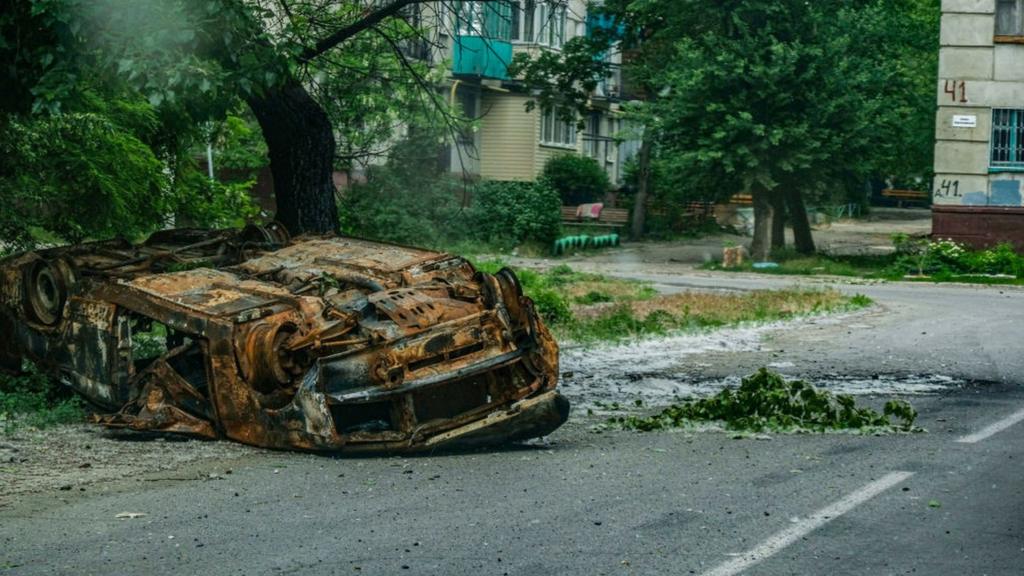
[{"x": 313, "y": 343}]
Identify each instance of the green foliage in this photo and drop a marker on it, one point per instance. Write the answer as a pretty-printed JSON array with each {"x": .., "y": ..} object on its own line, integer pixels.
[
  {"x": 34, "y": 400},
  {"x": 183, "y": 67},
  {"x": 860, "y": 301},
  {"x": 201, "y": 202},
  {"x": 946, "y": 259},
  {"x": 612, "y": 310},
  {"x": 766, "y": 401},
  {"x": 791, "y": 263},
  {"x": 518, "y": 211},
  {"x": 413, "y": 200},
  {"x": 593, "y": 297},
  {"x": 409, "y": 200},
  {"x": 753, "y": 95},
  {"x": 239, "y": 145},
  {"x": 80, "y": 175},
  {"x": 577, "y": 179},
  {"x": 545, "y": 289}
]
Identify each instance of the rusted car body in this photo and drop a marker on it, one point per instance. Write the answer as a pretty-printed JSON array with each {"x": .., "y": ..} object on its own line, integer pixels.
[{"x": 316, "y": 343}]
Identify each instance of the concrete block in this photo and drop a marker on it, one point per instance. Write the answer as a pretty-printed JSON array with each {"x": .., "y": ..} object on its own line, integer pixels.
[
  {"x": 954, "y": 157},
  {"x": 967, "y": 30},
  {"x": 980, "y": 93},
  {"x": 1009, "y": 62},
  {"x": 965, "y": 63},
  {"x": 944, "y": 129},
  {"x": 969, "y": 6},
  {"x": 953, "y": 189}
]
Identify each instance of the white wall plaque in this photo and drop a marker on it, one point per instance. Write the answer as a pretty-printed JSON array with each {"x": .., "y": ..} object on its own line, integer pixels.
[{"x": 964, "y": 121}]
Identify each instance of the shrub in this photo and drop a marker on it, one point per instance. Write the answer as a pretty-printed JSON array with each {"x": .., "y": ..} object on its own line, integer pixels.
[
  {"x": 517, "y": 211},
  {"x": 945, "y": 258},
  {"x": 577, "y": 179},
  {"x": 34, "y": 400},
  {"x": 409, "y": 200}
]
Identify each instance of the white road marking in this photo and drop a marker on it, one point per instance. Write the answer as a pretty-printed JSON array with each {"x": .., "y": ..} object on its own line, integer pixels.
[
  {"x": 807, "y": 525},
  {"x": 994, "y": 428}
]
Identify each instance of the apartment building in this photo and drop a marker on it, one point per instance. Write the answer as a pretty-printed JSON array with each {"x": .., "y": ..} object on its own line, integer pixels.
[
  {"x": 979, "y": 149},
  {"x": 509, "y": 142}
]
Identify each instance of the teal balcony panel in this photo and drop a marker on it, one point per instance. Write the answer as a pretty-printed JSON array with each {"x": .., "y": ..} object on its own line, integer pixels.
[{"x": 483, "y": 57}]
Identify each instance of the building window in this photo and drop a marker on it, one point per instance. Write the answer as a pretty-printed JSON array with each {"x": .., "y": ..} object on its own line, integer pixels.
[
  {"x": 1008, "y": 138},
  {"x": 539, "y": 22},
  {"x": 470, "y": 16},
  {"x": 517, "y": 19},
  {"x": 555, "y": 131},
  {"x": 1010, "y": 18},
  {"x": 485, "y": 19}
]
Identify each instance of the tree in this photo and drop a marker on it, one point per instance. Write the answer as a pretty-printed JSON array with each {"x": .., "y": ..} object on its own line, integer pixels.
[
  {"x": 778, "y": 99},
  {"x": 309, "y": 71}
]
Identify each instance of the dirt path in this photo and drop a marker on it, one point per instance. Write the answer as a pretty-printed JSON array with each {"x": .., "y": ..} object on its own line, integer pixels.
[{"x": 78, "y": 457}]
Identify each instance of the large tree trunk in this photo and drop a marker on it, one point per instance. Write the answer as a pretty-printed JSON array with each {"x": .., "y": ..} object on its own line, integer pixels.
[
  {"x": 301, "y": 146},
  {"x": 760, "y": 248},
  {"x": 642, "y": 188},
  {"x": 802, "y": 238},
  {"x": 778, "y": 219}
]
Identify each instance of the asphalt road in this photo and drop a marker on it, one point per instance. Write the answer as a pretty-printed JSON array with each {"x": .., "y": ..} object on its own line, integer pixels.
[{"x": 950, "y": 501}]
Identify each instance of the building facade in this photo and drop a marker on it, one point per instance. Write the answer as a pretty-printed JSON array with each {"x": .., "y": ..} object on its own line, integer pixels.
[
  {"x": 978, "y": 192},
  {"x": 510, "y": 142}
]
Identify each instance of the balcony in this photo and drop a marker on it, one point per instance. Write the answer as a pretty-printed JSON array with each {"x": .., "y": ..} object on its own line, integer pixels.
[
  {"x": 481, "y": 57},
  {"x": 482, "y": 46}
]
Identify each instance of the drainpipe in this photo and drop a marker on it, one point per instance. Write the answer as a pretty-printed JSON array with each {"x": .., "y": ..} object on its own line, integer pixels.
[{"x": 209, "y": 159}]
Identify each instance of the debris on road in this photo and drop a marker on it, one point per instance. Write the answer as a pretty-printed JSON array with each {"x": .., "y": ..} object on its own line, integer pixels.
[
  {"x": 766, "y": 401},
  {"x": 316, "y": 343},
  {"x": 129, "y": 515}
]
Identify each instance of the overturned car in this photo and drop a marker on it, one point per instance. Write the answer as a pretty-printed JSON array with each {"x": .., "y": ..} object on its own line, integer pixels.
[{"x": 313, "y": 343}]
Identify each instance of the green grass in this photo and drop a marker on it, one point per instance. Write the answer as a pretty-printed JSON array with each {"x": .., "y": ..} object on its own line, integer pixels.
[
  {"x": 852, "y": 266},
  {"x": 590, "y": 308},
  {"x": 916, "y": 261},
  {"x": 34, "y": 401},
  {"x": 967, "y": 279}
]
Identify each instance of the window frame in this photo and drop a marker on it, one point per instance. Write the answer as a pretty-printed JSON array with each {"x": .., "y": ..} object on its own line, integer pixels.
[
  {"x": 540, "y": 22},
  {"x": 557, "y": 133},
  {"x": 1016, "y": 34},
  {"x": 1006, "y": 142}
]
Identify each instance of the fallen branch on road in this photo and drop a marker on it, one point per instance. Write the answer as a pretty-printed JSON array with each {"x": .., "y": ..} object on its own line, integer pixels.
[{"x": 765, "y": 401}]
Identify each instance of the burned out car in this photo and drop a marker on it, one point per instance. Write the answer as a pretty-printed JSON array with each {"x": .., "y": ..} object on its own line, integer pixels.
[{"x": 312, "y": 343}]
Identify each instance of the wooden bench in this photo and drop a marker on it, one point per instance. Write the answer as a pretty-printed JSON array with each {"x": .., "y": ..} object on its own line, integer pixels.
[
  {"x": 611, "y": 218},
  {"x": 901, "y": 196},
  {"x": 742, "y": 199},
  {"x": 699, "y": 211}
]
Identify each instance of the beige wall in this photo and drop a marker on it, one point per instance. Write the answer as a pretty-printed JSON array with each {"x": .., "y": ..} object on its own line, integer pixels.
[
  {"x": 508, "y": 137},
  {"x": 981, "y": 75}
]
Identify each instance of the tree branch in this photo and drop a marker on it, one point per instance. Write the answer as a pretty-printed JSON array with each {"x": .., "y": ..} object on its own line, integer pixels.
[{"x": 367, "y": 22}]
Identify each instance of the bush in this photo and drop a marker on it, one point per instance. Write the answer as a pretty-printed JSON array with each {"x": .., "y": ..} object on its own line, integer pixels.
[
  {"x": 577, "y": 179},
  {"x": 517, "y": 211},
  {"x": 34, "y": 400},
  {"x": 409, "y": 200},
  {"x": 942, "y": 258}
]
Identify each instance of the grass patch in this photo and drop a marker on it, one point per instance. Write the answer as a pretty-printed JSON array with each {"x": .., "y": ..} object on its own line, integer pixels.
[
  {"x": 690, "y": 311},
  {"x": 765, "y": 401},
  {"x": 852, "y": 266},
  {"x": 914, "y": 259},
  {"x": 33, "y": 400},
  {"x": 590, "y": 308}
]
